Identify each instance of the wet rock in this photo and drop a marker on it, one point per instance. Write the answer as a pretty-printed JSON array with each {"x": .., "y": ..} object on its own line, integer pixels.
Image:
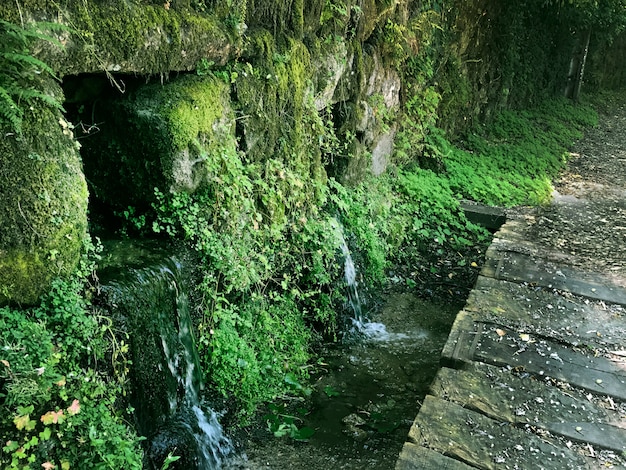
[{"x": 353, "y": 428}]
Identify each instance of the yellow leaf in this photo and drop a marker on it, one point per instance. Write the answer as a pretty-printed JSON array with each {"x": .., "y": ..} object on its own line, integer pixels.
[
  {"x": 65, "y": 465},
  {"x": 500, "y": 332},
  {"x": 6, "y": 363},
  {"x": 473, "y": 264},
  {"x": 24, "y": 422},
  {"x": 61, "y": 383},
  {"x": 524, "y": 337},
  {"x": 53, "y": 417}
]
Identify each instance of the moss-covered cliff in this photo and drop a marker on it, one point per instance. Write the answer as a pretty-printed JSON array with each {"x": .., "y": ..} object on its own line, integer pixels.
[
  {"x": 163, "y": 136},
  {"x": 149, "y": 38}
]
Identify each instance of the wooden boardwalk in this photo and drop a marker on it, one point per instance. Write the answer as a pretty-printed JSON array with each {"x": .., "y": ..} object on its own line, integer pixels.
[{"x": 533, "y": 374}]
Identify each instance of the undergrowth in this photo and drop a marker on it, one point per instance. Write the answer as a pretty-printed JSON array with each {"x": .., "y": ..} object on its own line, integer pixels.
[
  {"x": 267, "y": 268},
  {"x": 62, "y": 376},
  {"x": 513, "y": 160}
]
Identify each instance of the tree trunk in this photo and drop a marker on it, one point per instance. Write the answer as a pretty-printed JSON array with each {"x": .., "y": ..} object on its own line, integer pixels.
[{"x": 577, "y": 67}]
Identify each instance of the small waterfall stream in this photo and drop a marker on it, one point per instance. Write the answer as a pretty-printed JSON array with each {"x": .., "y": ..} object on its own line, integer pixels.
[
  {"x": 361, "y": 324},
  {"x": 153, "y": 304}
]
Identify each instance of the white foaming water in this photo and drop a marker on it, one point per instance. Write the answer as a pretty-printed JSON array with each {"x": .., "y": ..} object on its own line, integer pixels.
[
  {"x": 376, "y": 331},
  {"x": 361, "y": 326},
  {"x": 211, "y": 440}
]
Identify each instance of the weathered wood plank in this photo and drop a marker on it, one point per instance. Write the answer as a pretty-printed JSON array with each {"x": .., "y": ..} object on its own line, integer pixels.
[
  {"x": 569, "y": 319},
  {"x": 489, "y": 217},
  {"x": 414, "y": 457},
  {"x": 462, "y": 340},
  {"x": 502, "y": 396},
  {"x": 601, "y": 435},
  {"x": 494, "y": 344},
  {"x": 521, "y": 267},
  {"x": 486, "y": 443}
]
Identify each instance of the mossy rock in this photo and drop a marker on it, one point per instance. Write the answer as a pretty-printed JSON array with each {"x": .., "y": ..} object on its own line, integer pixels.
[
  {"x": 161, "y": 136},
  {"x": 127, "y": 36},
  {"x": 43, "y": 205}
]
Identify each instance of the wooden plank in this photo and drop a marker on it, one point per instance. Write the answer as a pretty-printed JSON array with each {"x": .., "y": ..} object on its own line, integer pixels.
[
  {"x": 569, "y": 319},
  {"x": 489, "y": 217},
  {"x": 414, "y": 457},
  {"x": 486, "y": 443},
  {"x": 462, "y": 341},
  {"x": 521, "y": 267},
  {"x": 500, "y": 395},
  {"x": 601, "y": 435},
  {"x": 545, "y": 358}
]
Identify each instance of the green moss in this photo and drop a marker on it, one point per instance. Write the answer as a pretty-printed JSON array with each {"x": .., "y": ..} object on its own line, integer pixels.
[
  {"x": 281, "y": 126},
  {"x": 166, "y": 136},
  {"x": 43, "y": 205},
  {"x": 124, "y": 36},
  {"x": 190, "y": 106},
  {"x": 297, "y": 10}
]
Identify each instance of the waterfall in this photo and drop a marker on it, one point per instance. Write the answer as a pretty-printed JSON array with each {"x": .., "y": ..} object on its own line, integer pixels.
[
  {"x": 166, "y": 378},
  {"x": 361, "y": 325},
  {"x": 351, "y": 282}
]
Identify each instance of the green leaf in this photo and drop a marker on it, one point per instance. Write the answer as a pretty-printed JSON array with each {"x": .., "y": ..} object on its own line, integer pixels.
[{"x": 303, "y": 433}]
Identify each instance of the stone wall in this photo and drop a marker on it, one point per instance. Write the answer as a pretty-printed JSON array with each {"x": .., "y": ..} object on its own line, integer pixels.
[{"x": 43, "y": 204}]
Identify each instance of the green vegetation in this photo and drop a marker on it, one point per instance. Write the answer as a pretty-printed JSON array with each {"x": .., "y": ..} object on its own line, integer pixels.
[
  {"x": 263, "y": 218},
  {"x": 270, "y": 280},
  {"x": 264, "y": 275},
  {"x": 62, "y": 376},
  {"x": 513, "y": 160},
  {"x": 21, "y": 74}
]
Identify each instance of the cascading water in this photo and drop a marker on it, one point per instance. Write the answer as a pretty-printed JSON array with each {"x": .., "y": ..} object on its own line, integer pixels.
[
  {"x": 361, "y": 325},
  {"x": 351, "y": 282},
  {"x": 166, "y": 376}
]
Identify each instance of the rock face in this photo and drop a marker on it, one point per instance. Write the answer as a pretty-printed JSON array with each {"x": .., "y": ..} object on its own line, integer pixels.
[
  {"x": 127, "y": 36},
  {"x": 43, "y": 205},
  {"x": 295, "y": 90}
]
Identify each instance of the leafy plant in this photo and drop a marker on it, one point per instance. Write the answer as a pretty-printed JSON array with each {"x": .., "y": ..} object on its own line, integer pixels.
[
  {"x": 282, "y": 424},
  {"x": 60, "y": 405},
  {"x": 21, "y": 74}
]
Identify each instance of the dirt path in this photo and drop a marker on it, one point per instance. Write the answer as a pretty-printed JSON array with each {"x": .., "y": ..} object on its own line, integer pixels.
[{"x": 588, "y": 219}]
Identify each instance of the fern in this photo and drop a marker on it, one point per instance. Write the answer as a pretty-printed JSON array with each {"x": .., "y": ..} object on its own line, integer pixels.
[
  {"x": 10, "y": 113},
  {"x": 21, "y": 72}
]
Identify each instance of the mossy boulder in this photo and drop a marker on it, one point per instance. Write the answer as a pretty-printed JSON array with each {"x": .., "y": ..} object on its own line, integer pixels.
[
  {"x": 161, "y": 136},
  {"x": 43, "y": 205}
]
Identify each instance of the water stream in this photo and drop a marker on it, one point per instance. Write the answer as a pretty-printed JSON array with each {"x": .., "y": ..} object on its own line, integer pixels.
[
  {"x": 370, "y": 386},
  {"x": 153, "y": 304},
  {"x": 366, "y": 392}
]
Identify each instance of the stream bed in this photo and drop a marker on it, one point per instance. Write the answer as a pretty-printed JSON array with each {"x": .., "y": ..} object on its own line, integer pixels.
[{"x": 366, "y": 395}]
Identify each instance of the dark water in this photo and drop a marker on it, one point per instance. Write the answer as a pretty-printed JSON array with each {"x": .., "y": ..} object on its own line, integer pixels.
[{"x": 367, "y": 394}]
